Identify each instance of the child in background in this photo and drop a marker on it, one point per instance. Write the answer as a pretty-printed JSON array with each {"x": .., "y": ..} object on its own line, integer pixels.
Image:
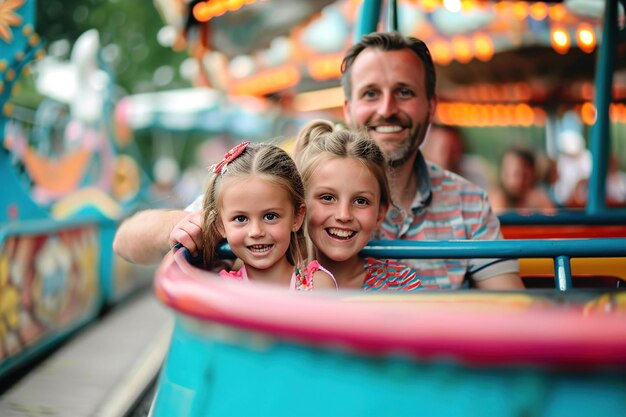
[
  {"x": 256, "y": 202},
  {"x": 347, "y": 197},
  {"x": 519, "y": 188}
]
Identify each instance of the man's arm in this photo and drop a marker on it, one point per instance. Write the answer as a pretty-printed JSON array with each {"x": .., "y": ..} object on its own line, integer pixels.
[
  {"x": 501, "y": 275},
  {"x": 145, "y": 237},
  {"x": 509, "y": 281}
]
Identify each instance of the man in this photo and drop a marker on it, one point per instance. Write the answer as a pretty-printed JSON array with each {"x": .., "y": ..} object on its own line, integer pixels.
[{"x": 389, "y": 88}]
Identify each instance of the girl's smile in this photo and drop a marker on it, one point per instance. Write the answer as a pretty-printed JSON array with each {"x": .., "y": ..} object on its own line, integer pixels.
[
  {"x": 260, "y": 249},
  {"x": 341, "y": 234},
  {"x": 257, "y": 218},
  {"x": 343, "y": 205}
]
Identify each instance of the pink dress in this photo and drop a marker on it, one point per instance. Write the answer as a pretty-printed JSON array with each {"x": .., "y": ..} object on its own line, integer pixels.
[{"x": 299, "y": 282}]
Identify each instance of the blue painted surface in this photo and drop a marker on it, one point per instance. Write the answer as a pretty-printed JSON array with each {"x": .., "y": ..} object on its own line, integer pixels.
[
  {"x": 16, "y": 55},
  {"x": 219, "y": 371},
  {"x": 21, "y": 50}
]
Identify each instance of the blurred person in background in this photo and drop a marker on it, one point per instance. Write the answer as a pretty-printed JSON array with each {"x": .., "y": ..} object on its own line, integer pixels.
[
  {"x": 444, "y": 146},
  {"x": 573, "y": 165},
  {"x": 615, "y": 188},
  {"x": 615, "y": 184},
  {"x": 547, "y": 174},
  {"x": 519, "y": 187}
]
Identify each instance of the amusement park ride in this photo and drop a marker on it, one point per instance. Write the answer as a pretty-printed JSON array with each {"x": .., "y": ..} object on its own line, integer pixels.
[
  {"x": 255, "y": 350},
  {"x": 66, "y": 187},
  {"x": 474, "y": 353}
]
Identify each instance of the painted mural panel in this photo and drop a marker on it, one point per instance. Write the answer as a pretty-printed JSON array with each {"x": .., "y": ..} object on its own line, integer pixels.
[{"x": 48, "y": 284}]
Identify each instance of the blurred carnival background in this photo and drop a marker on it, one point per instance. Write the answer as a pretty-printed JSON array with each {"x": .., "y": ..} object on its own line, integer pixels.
[
  {"x": 188, "y": 78},
  {"x": 111, "y": 106}
]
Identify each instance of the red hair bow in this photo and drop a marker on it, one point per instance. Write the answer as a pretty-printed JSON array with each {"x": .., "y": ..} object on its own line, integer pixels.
[{"x": 229, "y": 157}]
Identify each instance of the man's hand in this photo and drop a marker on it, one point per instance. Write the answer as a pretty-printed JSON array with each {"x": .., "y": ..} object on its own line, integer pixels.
[
  {"x": 188, "y": 232},
  {"x": 143, "y": 238}
]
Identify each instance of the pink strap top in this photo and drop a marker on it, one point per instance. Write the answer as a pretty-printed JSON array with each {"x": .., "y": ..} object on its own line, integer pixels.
[{"x": 299, "y": 282}]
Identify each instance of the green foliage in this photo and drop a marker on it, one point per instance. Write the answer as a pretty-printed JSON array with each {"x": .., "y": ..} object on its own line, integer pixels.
[{"x": 131, "y": 25}]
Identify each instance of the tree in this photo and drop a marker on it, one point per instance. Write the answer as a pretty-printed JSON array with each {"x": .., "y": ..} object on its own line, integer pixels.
[{"x": 128, "y": 34}]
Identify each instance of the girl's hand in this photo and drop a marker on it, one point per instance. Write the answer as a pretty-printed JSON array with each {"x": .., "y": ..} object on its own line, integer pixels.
[{"x": 188, "y": 232}]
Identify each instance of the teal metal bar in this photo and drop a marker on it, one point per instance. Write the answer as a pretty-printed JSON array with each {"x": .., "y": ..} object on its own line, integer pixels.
[
  {"x": 392, "y": 16},
  {"x": 561, "y": 251},
  {"x": 510, "y": 249},
  {"x": 562, "y": 273},
  {"x": 600, "y": 134},
  {"x": 368, "y": 19}
]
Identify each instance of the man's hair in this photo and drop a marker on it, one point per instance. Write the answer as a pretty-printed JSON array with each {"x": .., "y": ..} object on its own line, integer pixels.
[{"x": 389, "y": 41}]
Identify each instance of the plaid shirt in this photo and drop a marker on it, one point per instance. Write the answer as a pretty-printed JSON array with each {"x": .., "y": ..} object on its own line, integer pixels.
[{"x": 447, "y": 207}]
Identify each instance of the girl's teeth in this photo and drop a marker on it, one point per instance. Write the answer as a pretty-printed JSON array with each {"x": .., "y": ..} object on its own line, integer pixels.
[
  {"x": 260, "y": 248},
  {"x": 340, "y": 233}
]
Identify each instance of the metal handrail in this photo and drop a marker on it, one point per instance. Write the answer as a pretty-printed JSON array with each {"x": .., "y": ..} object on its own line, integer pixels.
[{"x": 560, "y": 250}]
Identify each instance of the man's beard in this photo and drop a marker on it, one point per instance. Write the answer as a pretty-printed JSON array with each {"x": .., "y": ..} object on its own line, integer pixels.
[{"x": 399, "y": 157}]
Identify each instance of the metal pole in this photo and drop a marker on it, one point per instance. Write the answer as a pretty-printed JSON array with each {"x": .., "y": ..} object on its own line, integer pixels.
[
  {"x": 600, "y": 133},
  {"x": 562, "y": 273},
  {"x": 368, "y": 19},
  {"x": 392, "y": 16}
]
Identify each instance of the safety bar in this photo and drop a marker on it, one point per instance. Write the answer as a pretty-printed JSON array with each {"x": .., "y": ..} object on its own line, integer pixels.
[{"x": 560, "y": 250}]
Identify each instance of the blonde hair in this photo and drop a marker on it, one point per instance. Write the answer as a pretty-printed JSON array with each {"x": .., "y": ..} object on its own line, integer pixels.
[
  {"x": 320, "y": 140},
  {"x": 260, "y": 159}
]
